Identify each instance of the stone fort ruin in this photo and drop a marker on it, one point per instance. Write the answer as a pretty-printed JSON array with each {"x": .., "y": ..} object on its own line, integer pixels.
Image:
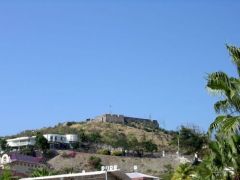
[{"x": 121, "y": 119}]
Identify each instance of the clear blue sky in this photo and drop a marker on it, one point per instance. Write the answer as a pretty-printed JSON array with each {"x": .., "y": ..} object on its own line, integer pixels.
[{"x": 69, "y": 60}]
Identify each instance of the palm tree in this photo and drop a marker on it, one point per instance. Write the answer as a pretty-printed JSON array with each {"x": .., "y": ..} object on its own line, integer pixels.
[
  {"x": 224, "y": 161},
  {"x": 228, "y": 88},
  {"x": 184, "y": 171},
  {"x": 225, "y": 149}
]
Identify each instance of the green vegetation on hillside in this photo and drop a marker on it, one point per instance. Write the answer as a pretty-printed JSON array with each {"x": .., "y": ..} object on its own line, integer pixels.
[
  {"x": 116, "y": 136},
  {"x": 191, "y": 140}
]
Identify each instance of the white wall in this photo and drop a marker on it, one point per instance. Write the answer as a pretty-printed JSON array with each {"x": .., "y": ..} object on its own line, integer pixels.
[
  {"x": 22, "y": 141},
  {"x": 26, "y": 141}
]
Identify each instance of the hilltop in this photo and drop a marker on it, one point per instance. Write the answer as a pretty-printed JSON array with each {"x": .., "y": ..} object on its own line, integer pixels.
[
  {"x": 107, "y": 130},
  {"x": 128, "y": 143}
]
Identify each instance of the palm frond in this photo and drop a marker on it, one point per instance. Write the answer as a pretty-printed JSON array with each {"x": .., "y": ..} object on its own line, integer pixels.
[
  {"x": 222, "y": 106},
  {"x": 220, "y": 82},
  {"x": 230, "y": 125},
  {"x": 235, "y": 54},
  {"x": 217, "y": 123},
  {"x": 235, "y": 102}
]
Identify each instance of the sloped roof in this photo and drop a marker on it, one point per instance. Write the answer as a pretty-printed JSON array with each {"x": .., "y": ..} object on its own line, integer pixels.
[
  {"x": 116, "y": 173},
  {"x": 140, "y": 175},
  {"x": 24, "y": 158}
]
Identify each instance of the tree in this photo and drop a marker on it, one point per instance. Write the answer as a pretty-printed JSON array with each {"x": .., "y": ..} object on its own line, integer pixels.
[
  {"x": 222, "y": 163},
  {"x": 3, "y": 144},
  {"x": 228, "y": 88},
  {"x": 191, "y": 140},
  {"x": 168, "y": 172},
  {"x": 82, "y": 135},
  {"x": 135, "y": 145},
  {"x": 42, "y": 142},
  {"x": 149, "y": 146},
  {"x": 95, "y": 137},
  {"x": 95, "y": 162},
  {"x": 116, "y": 139},
  {"x": 121, "y": 141},
  {"x": 227, "y": 125},
  {"x": 28, "y": 150},
  {"x": 183, "y": 171}
]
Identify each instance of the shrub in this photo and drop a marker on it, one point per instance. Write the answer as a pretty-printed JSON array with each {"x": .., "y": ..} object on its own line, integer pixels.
[
  {"x": 42, "y": 172},
  {"x": 28, "y": 151},
  {"x": 104, "y": 152},
  {"x": 50, "y": 153},
  {"x": 75, "y": 145},
  {"x": 117, "y": 153},
  {"x": 95, "y": 162},
  {"x": 71, "y": 154},
  {"x": 71, "y": 123},
  {"x": 94, "y": 137},
  {"x": 67, "y": 170}
]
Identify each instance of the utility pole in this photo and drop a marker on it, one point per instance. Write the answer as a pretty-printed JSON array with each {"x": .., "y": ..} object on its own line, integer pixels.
[
  {"x": 178, "y": 142},
  {"x": 106, "y": 178},
  {"x": 110, "y": 109},
  {"x": 150, "y": 118}
]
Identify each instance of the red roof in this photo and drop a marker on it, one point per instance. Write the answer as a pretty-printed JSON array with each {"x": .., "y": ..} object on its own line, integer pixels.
[{"x": 24, "y": 158}]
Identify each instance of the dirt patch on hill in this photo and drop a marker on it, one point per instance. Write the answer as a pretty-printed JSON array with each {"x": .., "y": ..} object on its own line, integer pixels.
[{"x": 153, "y": 166}]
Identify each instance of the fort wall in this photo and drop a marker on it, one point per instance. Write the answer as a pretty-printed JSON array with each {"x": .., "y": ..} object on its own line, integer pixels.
[{"x": 113, "y": 118}]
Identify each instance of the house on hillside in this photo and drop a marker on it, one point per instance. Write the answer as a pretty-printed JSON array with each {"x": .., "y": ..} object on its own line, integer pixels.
[
  {"x": 58, "y": 141},
  {"x": 55, "y": 140},
  {"x": 20, "y": 164},
  {"x": 21, "y": 142}
]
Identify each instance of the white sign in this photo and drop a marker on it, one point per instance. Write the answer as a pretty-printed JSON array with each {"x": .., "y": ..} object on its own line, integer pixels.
[
  {"x": 5, "y": 159},
  {"x": 135, "y": 167},
  {"x": 109, "y": 168}
]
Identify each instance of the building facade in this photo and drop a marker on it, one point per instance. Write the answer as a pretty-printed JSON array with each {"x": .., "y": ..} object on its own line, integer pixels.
[
  {"x": 55, "y": 140},
  {"x": 21, "y": 141},
  {"x": 61, "y": 141},
  {"x": 19, "y": 163}
]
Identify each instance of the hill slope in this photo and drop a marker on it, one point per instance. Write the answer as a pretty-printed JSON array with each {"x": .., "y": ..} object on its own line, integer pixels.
[{"x": 158, "y": 136}]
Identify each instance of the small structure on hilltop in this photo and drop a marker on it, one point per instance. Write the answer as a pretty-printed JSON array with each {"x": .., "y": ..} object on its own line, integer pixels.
[{"x": 121, "y": 119}]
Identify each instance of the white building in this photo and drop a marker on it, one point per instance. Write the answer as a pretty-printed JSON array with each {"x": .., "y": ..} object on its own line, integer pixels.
[
  {"x": 52, "y": 139},
  {"x": 21, "y": 141},
  {"x": 58, "y": 138},
  {"x": 71, "y": 138}
]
